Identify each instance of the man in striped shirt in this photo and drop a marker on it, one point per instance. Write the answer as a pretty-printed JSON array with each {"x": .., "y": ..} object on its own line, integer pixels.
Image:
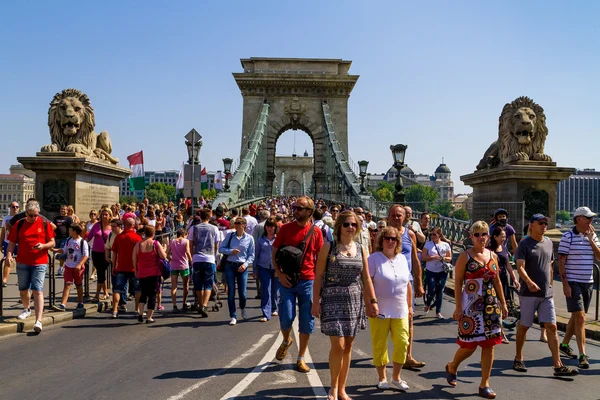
[{"x": 576, "y": 253}]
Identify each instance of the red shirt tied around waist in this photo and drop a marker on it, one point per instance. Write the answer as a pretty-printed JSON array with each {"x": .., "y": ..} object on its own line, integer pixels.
[
  {"x": 123, "y": 248},
  {"x": 27, "y": 234},
  {"x": 292, "y": 234}
]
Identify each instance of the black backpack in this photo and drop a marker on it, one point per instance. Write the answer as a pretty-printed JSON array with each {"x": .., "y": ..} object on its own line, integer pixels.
[{"x": 290, "y": 258}]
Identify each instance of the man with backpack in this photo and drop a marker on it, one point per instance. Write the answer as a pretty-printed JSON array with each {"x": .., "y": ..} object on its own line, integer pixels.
[
  {"x": 297, "y": 280},
  {"x": 204, "y": 244},
  {"x": 35, "y": 237}
]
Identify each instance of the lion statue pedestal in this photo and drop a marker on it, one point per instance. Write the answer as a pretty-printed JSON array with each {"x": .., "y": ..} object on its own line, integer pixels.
[
  {"x": 77, "y": 167},
  {"x": 514, "y": 172}
]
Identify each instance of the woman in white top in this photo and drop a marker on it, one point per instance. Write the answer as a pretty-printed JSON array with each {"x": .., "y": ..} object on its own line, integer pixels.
[
  {"x": 388, "y": 269},
  {"x": 435, "y": 253}
]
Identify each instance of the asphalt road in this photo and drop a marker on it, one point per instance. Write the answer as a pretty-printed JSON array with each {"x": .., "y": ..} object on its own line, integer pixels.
[{"x": 185, "y": 357}]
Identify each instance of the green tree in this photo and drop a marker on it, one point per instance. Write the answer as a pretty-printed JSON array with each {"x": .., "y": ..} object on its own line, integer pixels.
[
  {"x": 443, "y": 208},
  {"x": 209, "y": 194},
  {"x": 128, "y": 199},
  {"x": 563, "y": 216},
  {"x": 168, "y": 191},
  {"x": 420, "y": 197},
  {"x": 384, "y": 191},
  {"x": 461, "y": 214},
  {"x": 156, "y": 196}
]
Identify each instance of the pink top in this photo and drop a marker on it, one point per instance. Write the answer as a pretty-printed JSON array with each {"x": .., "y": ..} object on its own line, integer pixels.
[
  {"x": 100, "y": 237},
  {"x": 179, "y": 259},
  {"x": 147, "y": 262}
]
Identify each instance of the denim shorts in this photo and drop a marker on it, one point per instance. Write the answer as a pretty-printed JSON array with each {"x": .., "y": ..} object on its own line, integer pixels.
[
  {"x": 204, "y": 275},
  {"x": 5, "y": 247},
  {"x": 121, "y": 281},
  {"x": 31, "y": 276},
  {"x": 303, "y": 293}
]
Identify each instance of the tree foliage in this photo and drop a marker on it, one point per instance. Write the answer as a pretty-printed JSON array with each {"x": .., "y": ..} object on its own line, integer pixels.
[
  {"x": 443, "y": 208},
  {"x": 384, "y": 191},
  {"x": 563, "y": 216},
  {"x": 421, "y": 197},
  {"x": 209, "y": 194},
  {"x": 156, "y": 196},
  {"x": 461, "y": 214},
  {"x": 128, "y": 200}
]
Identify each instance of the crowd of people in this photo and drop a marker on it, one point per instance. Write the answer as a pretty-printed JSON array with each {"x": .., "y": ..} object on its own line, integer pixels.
[{"x": 316, "y": 260}]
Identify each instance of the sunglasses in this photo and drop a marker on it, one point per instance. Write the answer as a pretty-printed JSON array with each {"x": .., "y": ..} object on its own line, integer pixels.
[
  {"x": 482, "y": 234},
  {"x": 544, "y": 223},
  {"x": 335, "y": 210},
  {"x": 390, "y": 238},
  {"x": 239, "y": 223},
  {"x": 15, "y": 207},
  {"x": 350, "y": 224},
  {"x": 298, "y": 208}
]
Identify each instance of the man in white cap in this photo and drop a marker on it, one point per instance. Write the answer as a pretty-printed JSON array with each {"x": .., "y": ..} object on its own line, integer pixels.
[{"x": 577, "y": 251}]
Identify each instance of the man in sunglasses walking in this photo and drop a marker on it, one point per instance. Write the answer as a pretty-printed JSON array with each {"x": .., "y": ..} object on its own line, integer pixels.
[
  {"x": 292, "y": 234},
  {"x": 534, "y": 263},
  {"x": 577, "y": 251}
]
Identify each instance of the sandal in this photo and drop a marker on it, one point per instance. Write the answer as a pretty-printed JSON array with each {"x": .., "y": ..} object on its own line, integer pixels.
[
  {"x": 451, "y": 378},
  {"x": 487, "y": 393},
  {"x": 95, "y": 300}
]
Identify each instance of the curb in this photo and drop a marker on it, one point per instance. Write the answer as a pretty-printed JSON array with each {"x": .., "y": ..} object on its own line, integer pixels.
[
  {"x": 13, "y": 325},
  {"x": 561, "y": 322}
]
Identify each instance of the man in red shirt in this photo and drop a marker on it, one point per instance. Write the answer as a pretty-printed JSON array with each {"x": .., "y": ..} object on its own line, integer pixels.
[
  {"x": 34, "y": 237},
  {"x": 123, "y": 269},
  {"x": 292, "y": 234}
]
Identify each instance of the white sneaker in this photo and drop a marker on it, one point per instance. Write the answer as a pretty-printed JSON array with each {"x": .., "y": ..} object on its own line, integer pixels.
[
  {"x": 400, "y": 385},
  {"x": 275, "y": 313},
  {"x": 383, "y": 385},
  {"x": 233, "y": 321},
  {"x": 244, "y": 315},
  {"x": 25, "y": 314},
  {"x": 37, "y": 327},
  {"x": 60, "y": 270}
]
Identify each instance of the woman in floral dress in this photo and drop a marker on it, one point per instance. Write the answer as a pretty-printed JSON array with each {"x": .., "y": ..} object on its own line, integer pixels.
[{"x": 479, "y": 306}]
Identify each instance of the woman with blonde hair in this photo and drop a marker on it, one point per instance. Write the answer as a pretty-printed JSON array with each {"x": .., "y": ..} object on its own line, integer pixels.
[
  {"x": 342, "y": 289},
  {"x": 389, "y": 271},
  {"x": 480, "y": 307},
  {"x": 71, "y": 213}
]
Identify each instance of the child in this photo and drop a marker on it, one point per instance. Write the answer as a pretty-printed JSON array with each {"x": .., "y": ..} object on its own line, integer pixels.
[
  {"x": 180, "y": 255},
  {"x": 77, "y": 252}
]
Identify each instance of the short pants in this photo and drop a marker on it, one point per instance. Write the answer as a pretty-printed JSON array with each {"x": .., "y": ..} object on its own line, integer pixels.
[
  {"x": 180, "y": 272},
  {"x": 73, "y": 275},
  {"x": 543, "y": 306},
  {"x": 31, "y": 276},
  {"x": 581, "y": 296}
]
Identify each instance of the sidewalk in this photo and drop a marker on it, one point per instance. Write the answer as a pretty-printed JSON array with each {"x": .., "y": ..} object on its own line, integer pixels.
[
  {"x": 11, "y": 307},
  {"x": 592, "y": 327}
]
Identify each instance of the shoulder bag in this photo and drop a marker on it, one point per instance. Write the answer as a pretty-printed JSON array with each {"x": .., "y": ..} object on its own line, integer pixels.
[
  {"x": 221, "y": 266},
  {"x": 448, "y": 267},
  {"x": 290, "y": 258}
]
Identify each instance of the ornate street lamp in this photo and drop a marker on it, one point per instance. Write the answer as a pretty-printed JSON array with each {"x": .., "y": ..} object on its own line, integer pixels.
[
  {"x": 193, "y": 141},
  {"x": 227, "y": 167},
  {"x": 362, "y": 165},
  {"x": 398, "y": 153}
]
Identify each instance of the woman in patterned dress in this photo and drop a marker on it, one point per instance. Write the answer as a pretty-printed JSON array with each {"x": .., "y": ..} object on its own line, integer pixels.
[
  {"x": 342, "y": 282},
  {"x": 478, "y": 307}
]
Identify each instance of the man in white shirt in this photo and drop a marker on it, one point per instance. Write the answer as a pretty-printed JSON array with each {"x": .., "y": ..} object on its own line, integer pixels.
[{"x": 251, "y": 222}]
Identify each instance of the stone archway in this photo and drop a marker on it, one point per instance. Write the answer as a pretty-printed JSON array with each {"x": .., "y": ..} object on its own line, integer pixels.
[{"x": 295, "y": 89}]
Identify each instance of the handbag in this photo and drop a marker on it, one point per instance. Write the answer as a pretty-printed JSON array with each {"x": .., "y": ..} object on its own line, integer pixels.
[
  {"x": 163, "y": 264},
  {"x": 221, "y": 266},
  {"x": 447, "y": 266},
  {"x": 290, "y": 258}
]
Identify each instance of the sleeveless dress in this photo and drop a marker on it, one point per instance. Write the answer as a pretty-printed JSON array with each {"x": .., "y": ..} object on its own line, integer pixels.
[
  {"x": 342, "y": 308},
  {"x": 481, "y": 321}
]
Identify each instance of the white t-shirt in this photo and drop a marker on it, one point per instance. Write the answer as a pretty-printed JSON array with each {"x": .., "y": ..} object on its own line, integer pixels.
[
  {"x": 4, "y": 225},
  {"x": 251, "y": 222},
  {"x": 216, "y": 237},
  {"x": 75, "y": 251},
  {"x": 390, "y": 281},
  {"x": 436, "y": 265}
]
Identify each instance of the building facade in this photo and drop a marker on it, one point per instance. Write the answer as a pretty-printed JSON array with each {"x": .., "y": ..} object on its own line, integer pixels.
[
  {"x": 581, "y": 189},
  {"x": 294, "y": 175},
  {"x": 15, "y": 187}
]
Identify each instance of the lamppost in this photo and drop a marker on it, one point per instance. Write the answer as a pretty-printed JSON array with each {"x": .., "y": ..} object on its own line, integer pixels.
[
  {"x": 227, "y": 167},
  {"x": 398, "y": 153},
  {"x": 193, "y": 141},
  {"x": 362, "y": 165}
]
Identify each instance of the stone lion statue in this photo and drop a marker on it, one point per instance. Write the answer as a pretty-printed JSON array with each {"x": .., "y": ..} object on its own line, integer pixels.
[
  {"x": 522, "y": 134},
  {"x": 71, "y": 122}
]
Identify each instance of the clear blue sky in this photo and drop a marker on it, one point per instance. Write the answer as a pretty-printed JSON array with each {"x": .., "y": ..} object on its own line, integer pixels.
[{"x": 433, "y": 75}]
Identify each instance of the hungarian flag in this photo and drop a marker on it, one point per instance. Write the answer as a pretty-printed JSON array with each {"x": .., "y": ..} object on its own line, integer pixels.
[
  {"x": 219, "y": 180},
  {"x": 136, "y": 163},
  {"x": 203, "y": 179},
  {"x": 179, "y": 184}
]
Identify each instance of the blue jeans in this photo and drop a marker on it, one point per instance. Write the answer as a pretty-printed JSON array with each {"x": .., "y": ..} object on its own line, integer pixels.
[
  {"x": 31, "y": 276},
  {"x": 268, "y": 291},
  {"x": 232, "y": 276},
  {"x": 303, "y": 292},
  {"x": 203, "y": 275},
  {"x": 436, "y": 281}
]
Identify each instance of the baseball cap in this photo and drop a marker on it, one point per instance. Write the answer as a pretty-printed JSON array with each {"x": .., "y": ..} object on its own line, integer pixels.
[
  {"x": 538, "y": 217},
  {"x": 585, "y": 211},
  {"x": 128, "y": 215}
]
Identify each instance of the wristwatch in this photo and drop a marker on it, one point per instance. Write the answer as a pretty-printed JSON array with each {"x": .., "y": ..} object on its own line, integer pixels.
[{"x": 374, "y": 301}]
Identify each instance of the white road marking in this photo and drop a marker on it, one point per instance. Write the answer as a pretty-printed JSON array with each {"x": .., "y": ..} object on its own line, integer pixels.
[
  {"x": 264, "y": 363},
  {"x": 232, "y": 364},
  {"x": 313, "y": 376},
  {"x": 361, "y": 353}
]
